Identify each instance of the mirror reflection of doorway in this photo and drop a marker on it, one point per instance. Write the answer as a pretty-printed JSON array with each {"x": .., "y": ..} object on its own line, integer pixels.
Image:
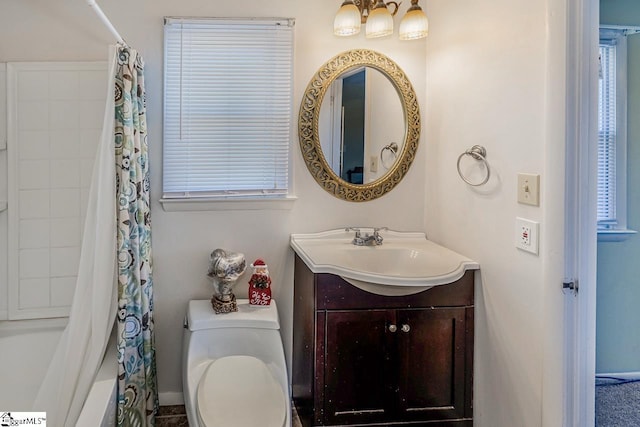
[{"x": 353, "y": 127}]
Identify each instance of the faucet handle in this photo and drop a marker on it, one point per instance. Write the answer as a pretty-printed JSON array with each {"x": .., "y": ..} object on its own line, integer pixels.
[
  {"x": 377, "y": 235},
  {"x": 356, "y": 229}
]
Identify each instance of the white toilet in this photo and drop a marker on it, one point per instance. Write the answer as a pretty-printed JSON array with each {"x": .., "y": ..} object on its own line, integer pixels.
[{"x": 234, "y": 371}]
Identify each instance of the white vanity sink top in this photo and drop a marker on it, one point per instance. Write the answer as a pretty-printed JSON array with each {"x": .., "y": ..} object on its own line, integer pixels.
[{"x": 403, "y": 260}]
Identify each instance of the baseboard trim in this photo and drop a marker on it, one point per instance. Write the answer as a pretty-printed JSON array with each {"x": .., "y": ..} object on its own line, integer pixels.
[
  {"x": 171, "y": 398},
  {"x": 628, "y": 376}
]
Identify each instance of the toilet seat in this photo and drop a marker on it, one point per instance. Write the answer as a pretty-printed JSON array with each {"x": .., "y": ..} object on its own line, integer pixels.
[{"x": 240, "y": 391}]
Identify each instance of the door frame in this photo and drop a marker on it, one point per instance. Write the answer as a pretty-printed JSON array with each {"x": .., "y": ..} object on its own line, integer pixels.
[{"x": 580, "y": 211}]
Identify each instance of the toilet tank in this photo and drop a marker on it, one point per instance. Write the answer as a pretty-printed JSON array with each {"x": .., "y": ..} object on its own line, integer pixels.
[
  {"x": 251, "y": 331},
  {"x": 200, "y": 316}
]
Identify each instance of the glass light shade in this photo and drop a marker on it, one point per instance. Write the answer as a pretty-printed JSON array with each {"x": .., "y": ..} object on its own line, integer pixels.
[
  {"x": 414, "y": 25},
  {"x": 347, "y": 20},
  {"x": 379, "y": 23}
]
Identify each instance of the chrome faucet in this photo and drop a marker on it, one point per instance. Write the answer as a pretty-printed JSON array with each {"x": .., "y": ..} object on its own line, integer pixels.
[{"x": 374, "y": 239}]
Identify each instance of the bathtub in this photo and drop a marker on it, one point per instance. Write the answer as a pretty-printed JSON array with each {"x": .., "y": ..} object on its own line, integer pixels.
[{"x": 26, "y": 348}]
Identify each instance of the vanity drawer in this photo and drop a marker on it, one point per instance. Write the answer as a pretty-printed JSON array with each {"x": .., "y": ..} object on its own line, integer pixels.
[{"x": 334, "y": 293}]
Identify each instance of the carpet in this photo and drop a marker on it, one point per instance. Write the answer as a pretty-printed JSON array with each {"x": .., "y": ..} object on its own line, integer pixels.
[{"x": 617, "y": 403}]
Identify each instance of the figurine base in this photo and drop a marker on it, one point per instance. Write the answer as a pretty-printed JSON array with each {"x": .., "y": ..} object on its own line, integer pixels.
[
  {"x": 221, "y": 307},
  {"x": 259, "y": 297}
]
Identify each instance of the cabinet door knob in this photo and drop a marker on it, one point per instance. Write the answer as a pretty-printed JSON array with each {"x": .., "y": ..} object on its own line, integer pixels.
[
  {"x": 393, "y": 328},
  {"x": 405, "y": 328}
]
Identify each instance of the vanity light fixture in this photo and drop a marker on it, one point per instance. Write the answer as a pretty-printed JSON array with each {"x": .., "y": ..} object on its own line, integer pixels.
[{"x": 379, "y": 19}]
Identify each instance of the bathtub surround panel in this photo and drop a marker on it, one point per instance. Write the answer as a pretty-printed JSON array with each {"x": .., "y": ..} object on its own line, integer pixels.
[{"x": 56, "y": 110}]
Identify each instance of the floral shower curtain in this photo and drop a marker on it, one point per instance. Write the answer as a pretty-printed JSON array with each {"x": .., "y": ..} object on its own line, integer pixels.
[{"x": 137, "y": 385}]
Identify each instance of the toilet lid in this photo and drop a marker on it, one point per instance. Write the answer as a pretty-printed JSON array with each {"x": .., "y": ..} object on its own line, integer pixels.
[{"x": 240, "y": 391}]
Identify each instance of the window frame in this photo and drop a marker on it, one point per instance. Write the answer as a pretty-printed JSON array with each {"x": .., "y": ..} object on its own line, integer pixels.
[{"x": 228, "y": 200}]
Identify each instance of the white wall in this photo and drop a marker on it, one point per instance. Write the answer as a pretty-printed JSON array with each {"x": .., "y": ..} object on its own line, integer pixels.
[
  {"x": 496, "y": 77},
  {"x": 41, "y": 30}
]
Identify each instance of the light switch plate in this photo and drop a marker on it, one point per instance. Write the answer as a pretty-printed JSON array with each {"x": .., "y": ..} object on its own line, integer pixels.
[
  {"x": 527, "y": 235},
  {"x": 529, "y": 189},
  {"x": 373, "y": 164}
]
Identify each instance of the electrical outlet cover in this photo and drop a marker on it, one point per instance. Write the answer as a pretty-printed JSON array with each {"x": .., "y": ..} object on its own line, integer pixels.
[{"x": 526, "y": 235}]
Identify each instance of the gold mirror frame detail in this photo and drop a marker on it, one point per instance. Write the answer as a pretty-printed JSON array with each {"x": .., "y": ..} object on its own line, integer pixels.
[{"x": 308, "y": 124}]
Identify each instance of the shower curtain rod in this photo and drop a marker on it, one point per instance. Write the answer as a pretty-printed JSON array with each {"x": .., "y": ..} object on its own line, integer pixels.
[{"x": 105, "y": 20}]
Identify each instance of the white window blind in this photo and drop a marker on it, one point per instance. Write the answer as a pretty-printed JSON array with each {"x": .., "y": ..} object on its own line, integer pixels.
[
  {"x": 607, "y": 133},
  {"x": 227, "y": 107}
]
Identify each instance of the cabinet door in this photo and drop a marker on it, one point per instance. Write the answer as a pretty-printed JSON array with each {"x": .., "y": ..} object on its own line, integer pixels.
[
  {"x": 431, "y": 363},
  {"x": 357, "y": 374}
]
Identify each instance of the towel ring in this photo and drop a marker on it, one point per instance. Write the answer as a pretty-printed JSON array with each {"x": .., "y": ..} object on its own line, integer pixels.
[
  {"x": 393, "y": 148},
  {"x": 478, "y": 152}
]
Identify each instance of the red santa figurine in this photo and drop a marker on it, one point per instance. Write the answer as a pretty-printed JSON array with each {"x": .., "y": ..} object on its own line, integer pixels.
[{"x": 260, "y": 284}]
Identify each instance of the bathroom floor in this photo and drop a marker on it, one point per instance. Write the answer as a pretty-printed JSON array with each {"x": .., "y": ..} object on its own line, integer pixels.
[
  {"x": 172, "y": 416},
  {"x": 176, "y": 416}
]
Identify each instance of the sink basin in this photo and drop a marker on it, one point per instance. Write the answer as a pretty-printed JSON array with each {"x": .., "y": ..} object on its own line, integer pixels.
[{"x": 405, "y": 263}]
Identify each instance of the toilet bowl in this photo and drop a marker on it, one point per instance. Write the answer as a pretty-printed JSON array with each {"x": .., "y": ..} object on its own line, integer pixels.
[{"x": 234, "y": 371}]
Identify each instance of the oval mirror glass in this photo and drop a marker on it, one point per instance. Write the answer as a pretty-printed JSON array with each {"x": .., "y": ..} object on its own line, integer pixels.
[{"x": 361, "y": 125}]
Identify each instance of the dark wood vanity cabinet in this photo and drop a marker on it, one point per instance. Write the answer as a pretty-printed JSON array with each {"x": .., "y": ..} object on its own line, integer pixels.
[{"x": 366, "y": 359}]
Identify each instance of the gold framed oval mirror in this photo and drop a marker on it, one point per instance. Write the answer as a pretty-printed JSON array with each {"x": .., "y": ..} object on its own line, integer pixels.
[{"x": 359, "y": 153}]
